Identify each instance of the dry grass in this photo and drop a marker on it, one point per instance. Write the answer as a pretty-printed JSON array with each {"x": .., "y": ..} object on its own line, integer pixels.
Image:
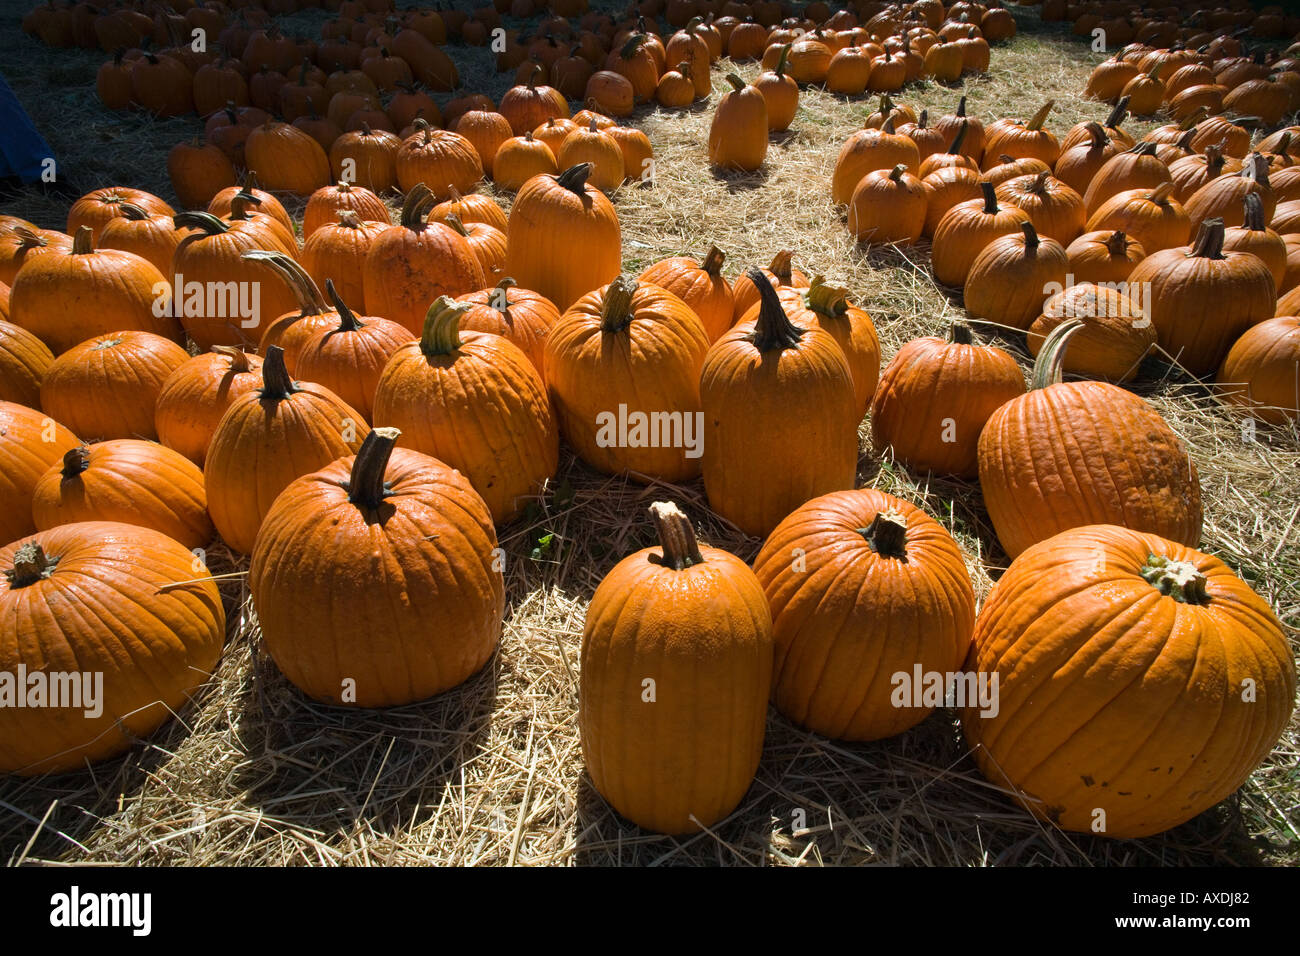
[{"x": 254, "y": 774}]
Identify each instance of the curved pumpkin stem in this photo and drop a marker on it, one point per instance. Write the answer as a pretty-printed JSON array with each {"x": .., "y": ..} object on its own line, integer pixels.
[
  {"x": 574, "y": 179},
  {"x": 348, "y": 322},
  {"x": 828, "y": 301},
  {"x": 1099, "y": 136},
  {"x": 676, "y": 537},
  {"x": 1031, "y": 238},
  {"x": 1118, "y": 114},
  {"x": 783, "y": 62},
  {"x": 501, "y": 301},
  {"x": 780, "y": 266},
  {"x": 441, "y": 335},
  {"x": 277, "y": 384},
  {"x": 366, "y": 485},
  {"x": 1038, "y": 119},
  {"x": 75, "y": 461},
  {"x": 83, "y": 243},
  {"x": 712, "y": 263},
  {"x": 31, "y": 564},
  {"x": 887, "y": 534},
  {"x": 238, "y": 357},
  {"x": 304, "y": 288},
  {"x": 454, "y": 221},
  {"x": 1047, "y": 367},
  {"x": 200, "y": 220},
  {"x": 1179, "y": 580},
  {"x": 955, "y": 148},
  {"x": 773, "y": 330},
  {"x": 133, "y": 212},
  {"x": 616, "y": 307}
]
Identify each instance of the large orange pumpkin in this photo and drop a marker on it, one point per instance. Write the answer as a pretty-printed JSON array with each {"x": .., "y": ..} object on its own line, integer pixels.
[
  {"x": 196, "y": 395},
  {"x": 30, "y": 442},
  {"x": 1262, "y": 370}
]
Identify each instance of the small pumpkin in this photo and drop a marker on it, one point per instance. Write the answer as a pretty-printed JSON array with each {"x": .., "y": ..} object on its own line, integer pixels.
[
  {"x": 519, "y": 159},
  {"x": 701, "y": 285},
  {"x": 337, "y": 251},
  {"x": 520, "y": 315},
  {"x": 1055, "y": 209},
  {"x": 195, "y": 396},
  {"x": 738, "y": 131},
  {"x": 966, "y": 229},
  {"x": 888, "y": 206},
  {"x": 1016, "y": 139},
  {"x": 780, "y": 272},
  {"x": 780, "y": 92},
  {"x": 1105, "y": 256},
  {"x": 867, "y": 150}
]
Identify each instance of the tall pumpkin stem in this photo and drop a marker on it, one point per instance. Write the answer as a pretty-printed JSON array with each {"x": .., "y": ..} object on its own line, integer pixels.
[
  {"x": 31, "y": 564},
  {"x": 1031, "y": 238},
  {"x": 616, "y": 306},
  {"x": 348, "y": 322},
  {"x": 773, "y": 330},
  {"x": 1118, "y": 114},
  {"x": 828, "y": 301},
  {"x": 574, "y": 179},
  {"x": 955, "y": 148},
  {"x": 1179, "y": 580},
  {"x": 783, "y": 62},
  {"x": 737, "y": 84},
  {"x": 366, "y": 485},
  {"x": 83, "y": 242},
  {"x": 1038, "y": 119},
  {"x": 416, "y": 206},
  {"x": 887, "y": 534},
  {"x": 441, "y": 334},
  {"x": 1209, "y": 240},
  {"x": 1047, "y": 367},
  {"x": 676, "y": 536},
  {"x": 990, "y": 199},
  {"x": 277, "y": 383},
  {"x": 304, "y": 288},
  {"x": 1253, "y": 212}
]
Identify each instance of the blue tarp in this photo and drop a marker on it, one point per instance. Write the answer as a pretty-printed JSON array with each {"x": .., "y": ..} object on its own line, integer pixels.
[{"x": 22, "y": 149}]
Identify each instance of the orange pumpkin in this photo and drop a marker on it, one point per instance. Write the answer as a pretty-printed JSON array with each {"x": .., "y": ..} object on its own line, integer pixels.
[{"x": 195, "y": 396}]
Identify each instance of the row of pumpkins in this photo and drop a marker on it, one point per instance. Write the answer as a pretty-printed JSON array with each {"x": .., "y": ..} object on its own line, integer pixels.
[
  {"x": 366, "y": 541},
  {"x": 1190, "y": 23}
]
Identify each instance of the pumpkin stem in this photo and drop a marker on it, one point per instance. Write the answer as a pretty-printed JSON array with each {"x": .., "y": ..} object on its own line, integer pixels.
[
  {"x": 1179, "y": 580},
  {"x": 1209, "y": 240},
  {"x": 83, "y": 241},
  {"x": 1031, "y": 239},
  {"x": 416, "y": 206},
  {"x": 896, "y": 174},
  {"x": 676, "y": 537},
  {"x": 200, "y": 220},
  {"x": 442, "y": 327},
  {"x": 239, "y": 204},
  {"x": 277, "y": 384},
  {"x": 990, "y": 199},
  {"x": 1047, "y": 367},
  {"x": 1143, "y": 149},
  {"x": 501, "y": 301},
  {"x": 304, "y": 288},
  {"x": 616, "y": 305},
  {"x": 238, "y": 357},
  {"x": 713, "y": 261},
  {"x": 1162, "y": 194},
  {"x": 888, "y": 125},
  {"x": 828, "y": 301},
  {"x": 75, "y": 461},
  {"x": 960, "y": 111},
  {"x": 366, "y": 486},
  {"x": 133, "y": 212},
  {"x": 923, "y": 119},
  {"x": 348, "y": 322},
  {"x": 1038, "y": 119},
  {"x": 955, "y": 148},
  {"x": 634, "y": 43},
  {"x": 783, "y": 61},
  {"x": 773, "y": 330},
  {"x": 1118, "y": 114},
  {"x": 453, "y": 220},
  {"x": 533, "y": 75},
  {"x": 887, "y": 534},
  {"x": 1117, "y": 245},
  {"x": 1256, "y": 169},
  {"x": 737, "y": 84},
  {"x": 31, "y": 564},
  {"x": 780, "y": 266},
  {"x": 29, "y": 239},
  {"x": 574, "y": 179},
  {"x": 1098, "y": 134},
  {"x": 1214, "y": 160},
  {"x": 959, "y": 333},
  {"x": 1254, "y": 212}
]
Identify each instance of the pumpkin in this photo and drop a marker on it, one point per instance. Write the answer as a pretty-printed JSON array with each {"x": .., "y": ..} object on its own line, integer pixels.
[
  {"x": 1222, "y": 198},
  {"x": 145, "y": 234},
  {"x": 1012, "y": 275},
  {"x": 969, "y": 128},
  {"x": 107, "y": 386},
  {"x": 1105, "y": 256},
  {"x": 1079, "y": 164},
  {"x": 554, "y": 131},
  {"x": 693, "y": 621},
  {"x": 888, "y": 206},
  {"x": 1115, "y": 337},
  {"x": 701, "y": 286},
  {"x": 771, "y": 390},
  {"x": 425, "y": 593},
  {"x": 848, "y": 71},
  {"x": 95, "y": 209},
  {"x": 1068, "y": 454},
  {"x": 780, "y": 92},
  {"x": 1254, "y": 236},
  {"x": 411, "y": 264},
  {"x": 1082, "y": 133},
  {"x": 1262, "y": 369},
  {"x": 1128, "y": 629},
  {"x": 638, "y": 154},
  {"x": 1021, "y": 140},
  {"x": 623, "y": 371},
  {"x": 600, "y": 149},
  {"x": 862, "y": 587},
  {"x": 1056, "y": 210},
  {"x": 935, "y": 396},
  {"x": 867, "y": 150},
  {"x": 528, "y": 106},
  {"x": 24, "y": 360},
  {"x": 291, "y": 330},
  {"x": 519, "y": 315},
  {"x": 266, "y": 228},
  {"x": 1008, "y": 168},
  {"x": 198, "y": 172},
  {"x": 485, "y": 131},
  {"x": 519, "y": 159},
  {"x": 287, "y": 159},
  {"x": 1136, "y": 168},
  {"x": 475, "y": 207},
  {"x": 222, "y": 204},
  {"x": 780, "y": 272},
  {"x": 326, "y": 203},
  {"x": 129, "y": 481},
  {"x": 563, "y": 237},
  {"x": 366, "y": 157},
  {"x": 64, "y": 298},
  {"x": 1151, "y": 216},
  {"x": 474, "y": 401},
  {"x": 105, "y": 599},
  {"x": 1201, "y": 299},
  {"x": 195, "y": 396},
  {"x": 30, "y": 442},
  {"x": 438, "y": 159},
  {"x": 686, "y": 44},
  {"x": 738, "y": 131},
  {"x": 338, "y": 251},
  {"x": 1291, "y": 278},
  {"x": 945, "y": 188},
  {"x": 966, "y": 229},
  {"x": 20, "y": 244}
]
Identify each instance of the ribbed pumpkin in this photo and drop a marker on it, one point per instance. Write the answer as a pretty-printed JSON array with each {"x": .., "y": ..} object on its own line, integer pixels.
[
  {"x": 30, "y": 442},
  {"x": 266, "y": 439},
  {"x": 127, "y": 480},
  {"x": 412, "y": 263},
  {"x": 1136, "y": 168},
  {"x": 888, "y": 206},
  {"x": 291, "y": 330},
  {"x": 1262, "y": 371},
  {"x": 1222, "y": 198},
  {"x": 1021, "y": 140},
  {"x": 631, "y": 353},
  {"x": 222, "y": 203},
  {"x": 528, "y": 105},
  {"x": 1201, "y": 299},
  {"x": 326, "y": 203},
  {"x": 1012, "y": 276},
  {"x": 934, "y": 398},
  {"x": 337, "y": 251},
  {"x": 945, "y": 188},
  {"x": 676, "y": 667},
  {"x": 1080, "y": 163},
  {"x": 772, "y": 391},
  {"x": 780, "y": 273},
  {"x": 419, "y": 577},
  {"x": 474, "y": 401},
  {"x": 966, "y": 229},
  {"x": 149, "y": 235},
  {"x": 107, "y": 386},
  {"x": 1068, "y": 454},
  {"x": 701, "y": 285},
  {"x": 1115, "y": 337},
  {"x": 438, "y": 159},
  {"x": 67, "y": 297},
  {"x": 520, "y": 315},
  {"x": 780, "y": 92},
  {"x": 1150, "y": 216},
  {"x": 472, "y": 207},
  {"x": 867, "y": 150},
  {"x": 1102, "y": 629},
  {"x": 564, "y": 237},
  {"x": 24, "y": 360},
  {"x": 485, "y": 131},
  {"x": 554, "y": 131},
  {"x": 1009, "y": 168},
  {"x": 1056, "y": 210},
  {"x": 1254, "y": 236},
  {"x": 488, "y": 244},
  {"x": 862, "y": 587},
  {"x": 196, "y": 395},
  {"x": 597, "y": 148},
  {"x": 19, "y": 245},
  {"x": 970, "y": 129},
  {"x": 102, "y": 598},
  {"x": 520, "y": 158},
  {"x": 97, "y": 208},
  {"x": 367, "y": 158},
  {"x": 198, "y": 172},
  {"x": 287, "y": 159},
  {"x": 738, "y": 131}
]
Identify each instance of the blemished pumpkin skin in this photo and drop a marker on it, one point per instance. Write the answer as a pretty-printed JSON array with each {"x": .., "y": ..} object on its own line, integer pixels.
[
  {"x": 1202, "y": 299},
  {"x": 693, "y": 620},
  {"x": 30, "y": 442},
  {"x": 1102, "y": 629},
  {"x": 1013, "y": 275},
  {"x": 266, "y": 439},
  {"x": 1115, "y": 337},
  {"x": 474, "y": 401},
  {"x": 966, "y": 229},
  {"x": 67, "y": 297},
  {"x": 438, "y": 160},
  {"x": 108, "y": 386},
  {"x": 629, "y": 345},
  {"x": 1068, "y": 454},
  {"x": 129, "y": 481},
  {"x": 867, "y": 150},
  {"x": 104, "y": 598},
  {"x": 24, "y": 360},
  {"x": 1262, "y": 371},
  {"x": 564, "y": 237},
  {"x": 738, "y": 131},
  {"x": 520, "y": 315},
  {"x": 780, "y": 272},
  {"x": 935, "y": 397},
  {"x": 862, "y": 586},
  {"x": 701, "y": 285},
  {"x": 772, "y": 391},
  {"x": 409, "y": 546},
  {"x": 1104, "y": 256},
  {"x": 413, "y": 263},
  {"x": 195, "y": 396}
]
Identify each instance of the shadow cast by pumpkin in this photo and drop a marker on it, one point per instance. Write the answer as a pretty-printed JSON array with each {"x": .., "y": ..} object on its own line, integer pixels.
[{"x": 738, "y": 181}]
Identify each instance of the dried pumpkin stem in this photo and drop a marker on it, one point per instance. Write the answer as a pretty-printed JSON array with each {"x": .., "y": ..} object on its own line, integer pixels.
[
  {"x": 737, "y": 84},
  {"x": 1253, "y": 212},
  {"x": 1118, "y": 114},
  {"x": 200, "y": 220},
  {"x": 960, "y": 111},
  {"x": 887, "y": 534},
  {"x": 31, "y": 564},
  {"x": 1047, "y": 367},
  {"x": 1038, "y": 119},
  {"x": 83, "y": 242},
  {"x": 676, "y": 536},
  {"x": 959, "y": 333},
  {"x": 277, "y": 383},
  {"x": 75, "y": 461},
  {"x": 713, "y": 261},
  {"x": 1209, "y": 240},
  {"x": 1031, "y": 238},
  {"x": 416, "y": 206},
  {"x": 238, "y": 357},
  {"x": 133, "y": 212},
  {"x": 616, "y": 306},
  {"x": 348, "y": 322},
  {"x": 955, "y": 148},
  {"x": 828, "y": 301},
  {"x": 366, "y": 485},
  {"x": 304, "y": 288},
  {"x": 1179, "y": 580},
  {"x": 1117, "y": 245},
  {"x": 441, "y": 334},
  {"x": 454, "y": 221},
  {"x": 990, "y": 199},
  {"x": 781, "y": 266},
  {"x": 574, "y": 179},
  {"x": 773, "y": 330}
]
